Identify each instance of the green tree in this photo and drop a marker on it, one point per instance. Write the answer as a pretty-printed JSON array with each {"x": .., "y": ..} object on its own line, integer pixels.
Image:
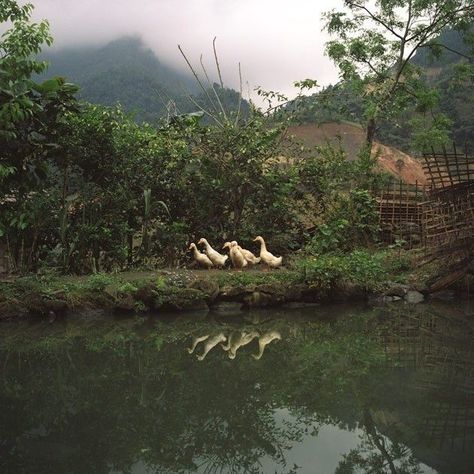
[
  {"x": 18, "y": 46},
  {"x": 30, "y": 116},
  {"x": 376, "y": 42}
]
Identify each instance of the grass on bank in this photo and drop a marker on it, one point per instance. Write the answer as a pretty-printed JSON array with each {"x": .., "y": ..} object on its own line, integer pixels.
[{"x": 367, "y": 270}]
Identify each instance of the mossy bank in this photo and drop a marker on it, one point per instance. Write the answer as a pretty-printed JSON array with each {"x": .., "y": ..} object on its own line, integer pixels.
[
  {"x": 380, "y": 277},
  {"x": 160, "y": 292}
]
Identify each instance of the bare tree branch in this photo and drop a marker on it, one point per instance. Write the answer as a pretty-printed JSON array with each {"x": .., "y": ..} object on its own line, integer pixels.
[
  {"x": 196, "y": 76},
  {"x": 202, "y": 109},
  {"x": 441, "y": 45},
  {"x": 237, "y": 118}
]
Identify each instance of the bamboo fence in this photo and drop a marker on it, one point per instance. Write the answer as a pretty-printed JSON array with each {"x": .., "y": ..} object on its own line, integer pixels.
[
  {"x": 448, "y": 215},
  {"x": 400, "y": 212},
  {"x": 438, "y": 216}
]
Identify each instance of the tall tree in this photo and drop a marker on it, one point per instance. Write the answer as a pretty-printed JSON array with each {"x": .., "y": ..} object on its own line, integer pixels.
[
  {"x": 376, "y": 42},
  {"x": 18, "y": 47},
  {"x": 30, "y": 113}
]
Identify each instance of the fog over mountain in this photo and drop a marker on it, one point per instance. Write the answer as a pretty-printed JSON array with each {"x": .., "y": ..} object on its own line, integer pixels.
[
  {"x": 277, "y": 42},
  {"x": 125, "y": 71}
]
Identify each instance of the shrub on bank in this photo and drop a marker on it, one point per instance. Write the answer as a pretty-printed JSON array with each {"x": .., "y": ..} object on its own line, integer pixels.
[{"x": 330, "y": 270}]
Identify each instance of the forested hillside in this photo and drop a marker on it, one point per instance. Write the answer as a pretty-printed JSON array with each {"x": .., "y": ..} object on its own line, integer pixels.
[
  {"x": 452, "y": 93},
  {"x": 125, "y": 71}
]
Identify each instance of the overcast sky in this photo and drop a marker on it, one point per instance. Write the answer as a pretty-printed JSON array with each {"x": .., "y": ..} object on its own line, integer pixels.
[{"x": 276, "y": 41}]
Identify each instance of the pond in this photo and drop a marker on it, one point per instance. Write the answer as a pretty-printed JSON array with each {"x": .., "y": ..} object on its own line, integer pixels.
[{"x": 335, "y": 389}]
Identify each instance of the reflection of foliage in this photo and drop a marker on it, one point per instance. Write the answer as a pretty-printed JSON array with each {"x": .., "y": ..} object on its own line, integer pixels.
[
  {"x": 378, "y": 454},
  {"x": 132, "y": 385}
]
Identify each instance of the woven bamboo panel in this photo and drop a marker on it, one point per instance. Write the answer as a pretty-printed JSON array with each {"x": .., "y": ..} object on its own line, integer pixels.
[
  {"x": 400, "y": 212},
  {"x": 448, "y": 215},
  {"x": 444, "y": 170},
  {"x": 438, "y": 216}
]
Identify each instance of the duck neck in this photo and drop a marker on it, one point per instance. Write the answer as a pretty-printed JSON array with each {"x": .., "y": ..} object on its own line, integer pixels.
[
  {"x": 263, "y": 246},
  {"x": 195, "y": 250},
  {"x": 261, "y": 348}
]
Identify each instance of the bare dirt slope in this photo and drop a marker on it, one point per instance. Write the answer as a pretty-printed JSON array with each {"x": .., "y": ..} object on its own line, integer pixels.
[{"x": 351, "y": 137}]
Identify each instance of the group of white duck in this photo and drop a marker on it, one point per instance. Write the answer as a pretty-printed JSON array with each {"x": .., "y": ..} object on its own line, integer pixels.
[
  {"x": 239, "y": 256},
  {"x": 232, "y": 342}
]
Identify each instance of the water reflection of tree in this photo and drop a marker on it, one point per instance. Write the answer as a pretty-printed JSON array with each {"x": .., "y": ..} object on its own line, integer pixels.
[
  {"x": 88, "y": 399},
  {"x": 378, "y": 454},
  {"x": 111, "y": 400}
]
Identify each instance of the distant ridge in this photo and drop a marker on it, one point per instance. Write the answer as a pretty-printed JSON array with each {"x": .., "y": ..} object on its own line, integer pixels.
[
  {"x": 124, "y": 71},
  {"x": 339, "y": 102}
]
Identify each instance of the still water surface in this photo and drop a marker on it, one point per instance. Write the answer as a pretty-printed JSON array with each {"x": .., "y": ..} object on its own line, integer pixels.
[{"x": 320, "y": 390}]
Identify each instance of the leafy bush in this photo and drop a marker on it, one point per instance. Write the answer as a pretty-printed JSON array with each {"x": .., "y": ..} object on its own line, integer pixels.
[
  {"x": 126, "y": 288},
  {"x": 360, "y": 267},
  {"x": 366, "y": 269},
  {"x": 329, "y": 237},
  {"x": 98, "y": 281},
  {"x": 325, "y": 271},
  {"x": 351, "y": 220},
  {"x": 398, "y": 262}
]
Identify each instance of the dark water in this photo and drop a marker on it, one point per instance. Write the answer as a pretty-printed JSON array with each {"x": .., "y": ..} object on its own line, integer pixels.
[{"x": 337, "y": 390}]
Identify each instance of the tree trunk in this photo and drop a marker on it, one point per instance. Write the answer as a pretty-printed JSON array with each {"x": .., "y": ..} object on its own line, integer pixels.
[
  {"x": 377, "y": 440},
  {"x": 370, "y": 133},
  {"x": 129, "y": 239}
]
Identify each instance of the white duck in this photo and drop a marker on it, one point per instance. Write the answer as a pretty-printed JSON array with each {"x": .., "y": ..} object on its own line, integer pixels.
[
  {"x": 236, "y": 256},
  {"x": 267, "y": 257},
  {"x": 249, "y": 256},
  {"x": 201, "y": 259},
  {"x": 264, "y": 340},
  {"x": 216, "y": 258}
]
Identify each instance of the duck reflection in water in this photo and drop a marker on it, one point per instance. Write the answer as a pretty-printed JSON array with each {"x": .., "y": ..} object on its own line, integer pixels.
[
  {"x": 212, "y": 341},
  {"x": 264, "y": 340},
  {"x": 196, "y": 341},
  {"x": 233, "y": 342},
  {"x": 237, "y": 339}
]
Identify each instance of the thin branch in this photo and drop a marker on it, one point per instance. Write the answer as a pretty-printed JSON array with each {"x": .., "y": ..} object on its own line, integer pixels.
[
  {"x": 202, "y": 109},
  {"x": 237, "y": 118},
  {"x": 195, "y": 75},
  {"x": 432, "y": 45},
  {"x": 165, "y": 100},
  {"x": 211, "y": 85},
  {"x": 217, "y": 62},
  {"x": 372, "y": 68},
  {"x": 376, "y": 19},
  {"x": 405, "y": 35},
  {"x": 432, "y": 28}
]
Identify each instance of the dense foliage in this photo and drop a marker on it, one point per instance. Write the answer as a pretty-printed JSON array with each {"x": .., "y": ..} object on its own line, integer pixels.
[
  {"x": 122, "y": 71},
  {"x": 87, "y": 188},
  {"x": 379, "y": 49},
  {"x": 414, "y": 128}
]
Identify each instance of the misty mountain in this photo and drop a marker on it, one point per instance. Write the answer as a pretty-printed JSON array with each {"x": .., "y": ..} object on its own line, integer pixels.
[{"x": 126, "y": 71}]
